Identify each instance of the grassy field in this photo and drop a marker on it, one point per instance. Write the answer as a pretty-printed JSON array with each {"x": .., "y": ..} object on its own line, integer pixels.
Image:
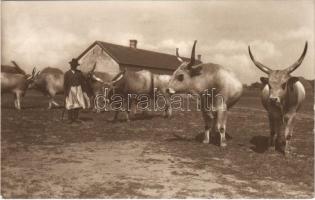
[{"x": 150, "y": 157}]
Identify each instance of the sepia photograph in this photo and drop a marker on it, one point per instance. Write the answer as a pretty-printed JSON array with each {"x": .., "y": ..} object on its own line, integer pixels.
[{"x": 207, "y": 99}]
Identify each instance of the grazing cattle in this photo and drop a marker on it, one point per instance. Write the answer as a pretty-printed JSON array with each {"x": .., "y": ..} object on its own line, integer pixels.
[
  {"x": 282, "y": 97},
  {"x": 139, "y": 83},
  {"x": 16, "y": 69},
  {"x": 16, "y": 84},
  {"x": 51, "y": 82},
  {"x": 199, "y": 79}
]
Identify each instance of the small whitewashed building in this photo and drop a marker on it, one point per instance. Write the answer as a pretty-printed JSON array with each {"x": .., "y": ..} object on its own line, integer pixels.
[{"x": 112, "y": 58}]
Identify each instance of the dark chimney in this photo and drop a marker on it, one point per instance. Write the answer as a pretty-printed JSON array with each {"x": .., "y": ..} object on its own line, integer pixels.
[
  {"x": 133, "y": 44},
  {"x": 199, "y": 57}
]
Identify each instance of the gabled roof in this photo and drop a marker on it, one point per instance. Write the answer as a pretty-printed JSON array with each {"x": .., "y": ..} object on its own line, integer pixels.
[{"x": 138, "y": 57}]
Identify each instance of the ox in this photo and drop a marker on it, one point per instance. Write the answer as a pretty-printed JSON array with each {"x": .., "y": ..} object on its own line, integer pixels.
[
  {"x": 282, "y": 96},
  {"x": 198, "y": 79},
  {"x": 51, "y": 82},
  {"x": 139, "y": 83},
  {"x": 16, "y": 83}
]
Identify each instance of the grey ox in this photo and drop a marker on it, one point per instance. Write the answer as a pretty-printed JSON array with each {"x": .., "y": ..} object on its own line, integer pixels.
[
  {"x": 282, "y": 96},
  {"x": 50, "y": 82},
  {"x": 201, "y": 79},
  {"x": 15, "y": 80},
  {"x": 139, "y": 83}
]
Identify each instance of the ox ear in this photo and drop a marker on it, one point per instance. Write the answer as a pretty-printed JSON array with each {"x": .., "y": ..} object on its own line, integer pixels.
[
  {"x": 37, "y": 74},
  {"x": 195, "y": 70},
  {"x": 93, "y": 68},
  {"x": 292, "y": 80},
  {"x": 264, "y": 80}
]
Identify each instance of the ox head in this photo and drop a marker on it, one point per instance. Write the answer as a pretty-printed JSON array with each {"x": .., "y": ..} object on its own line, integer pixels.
[
  {"x": 279, "y": 81},
  {"x": 116, "y": 84},
  {"x": 90, "y": 79},
  {"x": 90, "y": 76},
  {"x": 182, "y": 77},
  {"x": 116, "y": 81},
  {"x": 31, "y": 78}
]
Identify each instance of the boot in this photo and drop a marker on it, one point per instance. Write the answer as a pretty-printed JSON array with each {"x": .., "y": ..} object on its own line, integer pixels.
[
  {"x": 76, "y": 115},
  {"x": 70, "y": 116}
]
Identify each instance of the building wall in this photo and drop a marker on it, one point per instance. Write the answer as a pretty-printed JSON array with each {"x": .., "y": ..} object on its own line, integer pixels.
[
  {"x": 104, "y": 63},
  {"x": 138, "y": 68}
]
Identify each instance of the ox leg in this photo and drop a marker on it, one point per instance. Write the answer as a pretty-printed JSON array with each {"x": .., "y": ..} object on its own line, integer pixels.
[
  {"x": 51, "y": 100},
  {"x": 50, "y": 103},
  {"x": 55, "y": 103},
  {"x": 127, "y": 116},
  {"x": 168, "y": 107},
  {"x": 272, "y": 137},
  {"x": 128, "y": 107},
  {"x": 115, "y": 116},
  {"x": 221, "y": 125},
  {"x": 280, "y": 139},
  {"x": 288, "y": 131},
  {"x": 168, "y": 111},
  {"x": 17, "y": 102},
  {"x": 209, "y": 119}
]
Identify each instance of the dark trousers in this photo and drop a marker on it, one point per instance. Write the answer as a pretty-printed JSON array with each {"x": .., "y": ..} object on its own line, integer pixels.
[{"x": 73, "y": 114}]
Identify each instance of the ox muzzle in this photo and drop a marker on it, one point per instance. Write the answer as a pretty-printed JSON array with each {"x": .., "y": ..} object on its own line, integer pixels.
[{"x": 170, "y": 91}]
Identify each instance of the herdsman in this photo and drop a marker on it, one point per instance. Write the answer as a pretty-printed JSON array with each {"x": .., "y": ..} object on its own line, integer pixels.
[{"x": 75, "y": 91}]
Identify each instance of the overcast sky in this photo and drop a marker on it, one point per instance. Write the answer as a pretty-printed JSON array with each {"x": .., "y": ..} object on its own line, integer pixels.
[{"x": 51, "y": 33}]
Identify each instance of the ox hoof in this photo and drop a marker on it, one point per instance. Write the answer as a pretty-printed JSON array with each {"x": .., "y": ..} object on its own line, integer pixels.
[
  {"x": 205, "y": 141},
  {"x": 223, "y": 144},
  {"x": 281, "y": 148}
]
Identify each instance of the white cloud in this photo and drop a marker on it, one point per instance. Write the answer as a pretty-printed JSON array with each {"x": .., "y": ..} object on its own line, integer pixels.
[
  {"x": 229, "y": 45},
  {"x": 240, "y": 64},
  {"x": 51, "y": 33},
  {"x": 264, "y": 49},
  {"x": 301, "y": 33},
  {"x": 38, "y": 47}
]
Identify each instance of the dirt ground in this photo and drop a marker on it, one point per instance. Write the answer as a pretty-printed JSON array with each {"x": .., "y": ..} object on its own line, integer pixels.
[{"x": 150, "y": 157}]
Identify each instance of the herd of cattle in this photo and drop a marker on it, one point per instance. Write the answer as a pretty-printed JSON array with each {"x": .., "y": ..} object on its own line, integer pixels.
[{"x": 282, "y": 93}]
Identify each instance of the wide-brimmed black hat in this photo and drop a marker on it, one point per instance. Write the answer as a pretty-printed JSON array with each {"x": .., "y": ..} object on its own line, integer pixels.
[{"x": 74, "y": 62}]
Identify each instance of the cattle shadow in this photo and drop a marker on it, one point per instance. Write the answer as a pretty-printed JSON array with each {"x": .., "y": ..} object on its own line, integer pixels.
[
  {"x": 215, "y": 139},
  {"x": 261, "y": 143},
  {"x": 134, "y": 117},
  {"x": 86, "y": 119},
  {"x": 142, "y": 116}
]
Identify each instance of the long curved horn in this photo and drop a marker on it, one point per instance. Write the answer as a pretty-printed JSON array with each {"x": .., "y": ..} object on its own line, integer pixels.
[
  {"x": 299, "y": 61},
  {"x": 118, "y": 76},
  {"x": 32, "y": 75},
  {"x": 93, "y": 68},
  {"x": 34, "y": 71},
  {"x": 177, "y": 55},
  {"x": 37, "y": 73},
  {"x": 18, "y": 67},
  {"x": 258, "y": 64},
  {"x": 192, "y": 58},
  {"x": 15, "y": 64}
]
